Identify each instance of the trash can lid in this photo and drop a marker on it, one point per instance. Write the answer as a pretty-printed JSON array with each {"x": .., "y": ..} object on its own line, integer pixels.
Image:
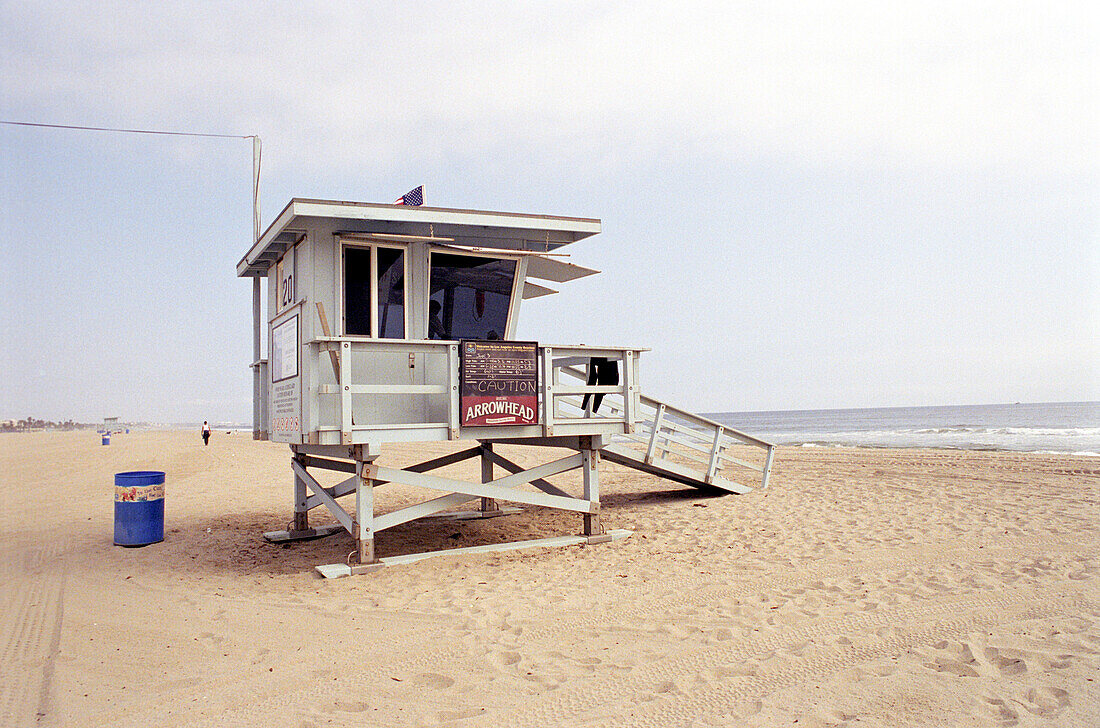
[{"x": 140, "y": 477}]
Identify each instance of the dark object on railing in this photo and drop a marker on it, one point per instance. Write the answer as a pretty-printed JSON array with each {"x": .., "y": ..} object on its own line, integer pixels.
[{"x": 601, "y": 371}]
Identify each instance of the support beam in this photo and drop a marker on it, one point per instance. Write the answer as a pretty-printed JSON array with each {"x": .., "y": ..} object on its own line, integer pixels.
[
  {"x": 715, "y": 452},
  {"x": 341, "y": 466},
  {"x": 502, "y": 489},
  {"x": 544, "y": 485},
  {"x": 420, "y": 510},
  {"x": 430, "y": 507},
  {"x": 655, "y": 433},
  {"x": 445, "y": 460},
  {"x": 337, "y": 511},
  {"x": 454, "y": 406},
  {"x": 629, "y": 386},
  {"x": 337, "y": 491},
  {"x": 334, "y": 571},
  {"x": 346, "y": 417},
  {"x": 301, "y": 502},
  {"x": 548, "y": 382},
  {"x": 488, "y": 505},
  {"x": 364, "y": 515},
  {"x": 344, "y": 466},
  {"x": 568, "y": 442},
  {"x": 555, "y": 467},
  {"x": 767, "y": 467},
  {"x": 590, "y": 468}
]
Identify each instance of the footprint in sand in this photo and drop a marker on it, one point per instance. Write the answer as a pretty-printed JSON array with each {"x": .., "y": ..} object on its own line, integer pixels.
[
  {"x": 1001, "y": 710},
  {"x": 795, "y": 649},
  {"x": 1046, "y": 700},
  {"x": 445, "y": 716},
  {"x": 840, "y": 715},
  {"x": 1006, "y": 665},
  {"x": 954, "y": 658},
  {"x": 670, "y": 687},
  {"x": 508, "y": 658},
  {"x": 432, "y": 680},
  {"x": 1060, "y": 662},
  {"x": 209, "y": 639},
  {"x": 884, "y": 668}
]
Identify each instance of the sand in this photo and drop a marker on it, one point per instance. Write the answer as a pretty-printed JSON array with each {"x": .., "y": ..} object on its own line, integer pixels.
[{"x": 865, "y": 587}]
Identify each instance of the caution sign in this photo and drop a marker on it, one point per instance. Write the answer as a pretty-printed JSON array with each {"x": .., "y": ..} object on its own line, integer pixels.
[{"x": 500, "y": 383}]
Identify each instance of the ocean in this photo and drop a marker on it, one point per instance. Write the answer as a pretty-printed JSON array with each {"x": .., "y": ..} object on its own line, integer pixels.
[{"x": 1057, "y": 427}]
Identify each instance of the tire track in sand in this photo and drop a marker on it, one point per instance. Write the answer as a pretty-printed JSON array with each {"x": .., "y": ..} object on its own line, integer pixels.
[
  {"x": 627, "y": 608},
  {"x": 30, "y": 632},
  {"x": 910, "y": 626}
]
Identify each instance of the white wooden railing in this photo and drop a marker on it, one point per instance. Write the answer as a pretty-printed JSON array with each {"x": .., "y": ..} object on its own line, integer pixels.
[
  {"x": 668, "y": 434},
  {"x": 431, "y": 370}
]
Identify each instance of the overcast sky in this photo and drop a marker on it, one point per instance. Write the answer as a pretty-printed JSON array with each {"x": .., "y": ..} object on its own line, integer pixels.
[{"x": 804, "y": 205}]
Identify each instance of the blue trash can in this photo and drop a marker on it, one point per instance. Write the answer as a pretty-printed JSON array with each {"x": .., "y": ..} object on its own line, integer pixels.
[
  {"x": 106, "y": 439},
  {"x": 139, "y": 508}
]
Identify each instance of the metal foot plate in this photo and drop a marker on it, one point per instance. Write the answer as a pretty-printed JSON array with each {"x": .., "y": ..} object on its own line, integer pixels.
[{"x": 307, "y": 535}]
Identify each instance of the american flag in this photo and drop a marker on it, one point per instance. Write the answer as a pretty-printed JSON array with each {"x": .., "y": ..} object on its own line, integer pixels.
[{"x": 412, "y": 197}]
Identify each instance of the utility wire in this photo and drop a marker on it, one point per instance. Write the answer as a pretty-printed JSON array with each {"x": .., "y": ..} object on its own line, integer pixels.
[
  {"x": 129, "y": 131},
  {"x": 256, "y": 149}
]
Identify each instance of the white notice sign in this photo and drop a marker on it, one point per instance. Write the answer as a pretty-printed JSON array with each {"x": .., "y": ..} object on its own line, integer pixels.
[{"x": 284, "y": 350}]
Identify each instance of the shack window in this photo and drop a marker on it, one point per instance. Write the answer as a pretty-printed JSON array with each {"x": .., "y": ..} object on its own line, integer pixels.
[
  {"x": 374, "y": 303},
  {"x": 357, "y": 282},
  {"x": 469, "y": 297},
  {"x": 391, "y": 293}
]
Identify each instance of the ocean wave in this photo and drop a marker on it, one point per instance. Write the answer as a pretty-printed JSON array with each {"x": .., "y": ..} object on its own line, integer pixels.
[
  {"x": 1021, "y": 439},
  {"x": 975, "y": 430},
  {"x": 1052, "y": 431},
  {"x": 1066, "y": 428}
]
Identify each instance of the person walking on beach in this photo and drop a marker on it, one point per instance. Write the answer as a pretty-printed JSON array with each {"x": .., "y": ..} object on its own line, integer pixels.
[{"x": 205, "y": 432}]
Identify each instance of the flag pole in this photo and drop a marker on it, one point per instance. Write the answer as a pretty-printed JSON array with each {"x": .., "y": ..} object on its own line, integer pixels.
[{"x": 258, "y": 432}]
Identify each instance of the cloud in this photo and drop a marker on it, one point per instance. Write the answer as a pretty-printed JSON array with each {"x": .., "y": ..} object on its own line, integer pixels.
[
  {"x": 840, "y": 177},
  {"x": 942, "y": 84}
]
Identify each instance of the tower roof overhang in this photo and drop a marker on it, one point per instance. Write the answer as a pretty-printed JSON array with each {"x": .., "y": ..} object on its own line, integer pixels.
[{"x": 503, "y": 231}]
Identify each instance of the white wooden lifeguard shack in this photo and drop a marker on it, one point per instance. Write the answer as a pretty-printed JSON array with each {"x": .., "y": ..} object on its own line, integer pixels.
[{"x": 390, "y": 323}]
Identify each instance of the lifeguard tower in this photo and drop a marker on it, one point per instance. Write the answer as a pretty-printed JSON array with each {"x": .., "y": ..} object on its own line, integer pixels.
[{"x": 392, "y": 323}]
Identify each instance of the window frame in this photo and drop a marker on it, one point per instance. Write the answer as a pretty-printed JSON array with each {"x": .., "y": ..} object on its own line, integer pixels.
[
  {"x": 373, "y": 248},
  {"x": 517, "y": 282}
]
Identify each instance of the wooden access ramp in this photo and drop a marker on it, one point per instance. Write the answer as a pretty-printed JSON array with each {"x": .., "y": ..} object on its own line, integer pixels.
[{"x": 681, "y": 446}]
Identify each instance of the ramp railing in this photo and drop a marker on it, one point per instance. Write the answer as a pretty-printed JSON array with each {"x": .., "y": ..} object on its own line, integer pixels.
[{"x": 681, "y": 442}]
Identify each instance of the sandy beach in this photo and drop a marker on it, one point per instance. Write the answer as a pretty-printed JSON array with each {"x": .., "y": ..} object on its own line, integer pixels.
[{"x": 865, "y": 587}]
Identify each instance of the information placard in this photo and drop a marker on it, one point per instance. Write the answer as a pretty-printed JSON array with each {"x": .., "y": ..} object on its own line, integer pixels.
[
  {"x": 286, "y": 385},
  {"x": 284, "y": 350},
  {"x": 500, "y": 383}
]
